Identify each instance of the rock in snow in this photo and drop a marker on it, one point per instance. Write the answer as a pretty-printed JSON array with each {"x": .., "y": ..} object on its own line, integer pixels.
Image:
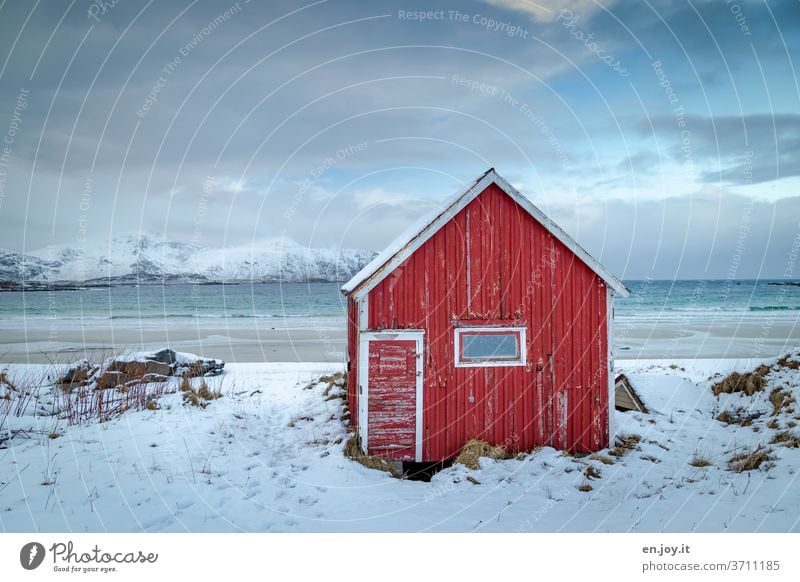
[{"x": 139, "y": 367}]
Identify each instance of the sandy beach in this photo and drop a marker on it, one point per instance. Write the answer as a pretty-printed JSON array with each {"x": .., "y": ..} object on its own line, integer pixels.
[
  {"x": 233, "y": 341},
  {"x": 232, "y": 344}
]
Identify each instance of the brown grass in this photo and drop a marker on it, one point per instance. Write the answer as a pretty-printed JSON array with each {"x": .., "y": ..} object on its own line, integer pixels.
[
  {"x": 331, "y": 378},
  {"x": 585, "y": 488},
  {"x": 591, "y": 473},
  {"x": 725, "y": 417},
  {"x": 474, "y": 449},
  {"x": 602, "y": 458},
  {"x": 786, "y": 438},
  {"x": 627, "y": 443},
  {"x": 738, "y": 416},
  {"x": 780, "y": 399},
  {"x": 193, "y": 370},
  {"x": 748, "y": 383},
  {"x": 784, "y": 362},
  {"x": 207, "y": 393},
  {"x": 699, "y": 461},
  {"x": 200, "y": 397},
  {"x": 352, "y": 450},
  {"x": 749, "y": 461},
  {"x": 4, "y": 380}
]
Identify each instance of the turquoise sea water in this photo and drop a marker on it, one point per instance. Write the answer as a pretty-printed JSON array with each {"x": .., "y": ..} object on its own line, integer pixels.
[{"x": 310, "y": 305}]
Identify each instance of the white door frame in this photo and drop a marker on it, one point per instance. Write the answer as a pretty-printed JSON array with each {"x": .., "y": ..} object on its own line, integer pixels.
[
  {"x": 363, "y": 381},
  {"x": 612, "y": 392}
]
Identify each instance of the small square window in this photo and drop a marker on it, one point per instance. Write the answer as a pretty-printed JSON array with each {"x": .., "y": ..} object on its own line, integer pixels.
[{"x": 489, "y": 346}]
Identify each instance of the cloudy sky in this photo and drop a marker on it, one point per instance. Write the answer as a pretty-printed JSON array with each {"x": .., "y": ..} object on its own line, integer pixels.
[{"x": 663, "y": 135}]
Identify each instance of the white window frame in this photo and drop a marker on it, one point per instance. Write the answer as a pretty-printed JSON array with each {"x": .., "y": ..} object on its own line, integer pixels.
[{"x": 519, "y": 330}]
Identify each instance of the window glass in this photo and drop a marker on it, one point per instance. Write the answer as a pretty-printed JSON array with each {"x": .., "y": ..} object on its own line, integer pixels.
[
  {"x": 485, "y": 346},
  {"x": 490, "y": 346}
]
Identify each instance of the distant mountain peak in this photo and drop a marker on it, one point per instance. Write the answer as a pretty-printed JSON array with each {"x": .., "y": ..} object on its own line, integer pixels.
[{"x": 150, "y": 257}]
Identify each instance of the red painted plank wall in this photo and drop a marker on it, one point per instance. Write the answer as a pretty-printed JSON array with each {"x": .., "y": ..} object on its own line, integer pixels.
[{"x": 494, "y": 262}]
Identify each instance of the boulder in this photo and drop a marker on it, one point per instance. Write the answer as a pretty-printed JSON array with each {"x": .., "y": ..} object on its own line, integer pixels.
[
  {"x": 78, "y": 374},
  {"x": 126, "y": 372},
  {"x": 165, "y": 356},
  {"x": 154, "y": 367},
  {"x": 200, "y": 367}
]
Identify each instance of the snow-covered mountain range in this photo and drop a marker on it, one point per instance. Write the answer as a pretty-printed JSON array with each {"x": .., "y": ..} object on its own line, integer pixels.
[{"x": 151, "y": 258}]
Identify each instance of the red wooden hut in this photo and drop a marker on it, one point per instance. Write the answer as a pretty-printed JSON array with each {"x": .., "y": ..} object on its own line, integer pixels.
[{"x": 484, "y": 320}]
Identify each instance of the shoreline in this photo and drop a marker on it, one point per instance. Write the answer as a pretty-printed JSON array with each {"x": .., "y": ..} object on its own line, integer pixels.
[{"x": 65, "y": 341}]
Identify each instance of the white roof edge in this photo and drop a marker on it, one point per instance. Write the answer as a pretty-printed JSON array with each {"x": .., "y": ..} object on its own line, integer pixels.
[
  {"x": 424, "y": 228},
  {"x": 573, "y": 245},
  {"x": 414, "y": 230}
]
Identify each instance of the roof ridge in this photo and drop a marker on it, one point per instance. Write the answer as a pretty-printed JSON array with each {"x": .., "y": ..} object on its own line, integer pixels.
[{"x": 422, "y": 229}]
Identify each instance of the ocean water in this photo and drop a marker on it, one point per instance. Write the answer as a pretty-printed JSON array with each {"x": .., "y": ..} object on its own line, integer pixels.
[
  {"x": 320, "y": 305},
  {"x": 291, "y": 305},
  {"x": 710, "y": 300}
]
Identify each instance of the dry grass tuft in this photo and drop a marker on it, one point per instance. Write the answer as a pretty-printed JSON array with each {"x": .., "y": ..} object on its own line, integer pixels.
[
  {"x": 474, "y": 449},
  {"x": 738, "y": 416},
  {"x": 194, "y": 370},
  {"x": 626, "y": 443},
  {"x": 602, "y": 458},
  {"x": 352, "y": 450},
  {"x": 785, "y": 362},
  {"x": 699, "y": 461},
  {"x": 748, "y": 383},
  {"x": 749, "y": 461},
  {"x": 591, "y": 473},
  {"x": 585, "y": 488},
  {"x": 338, "y": 377},
  {"x": 207, "y": 393},
  {"x": 726, "y": 417},
  {"x": 786, "y": 438},
  {"x": 780, "y": 399},
  {"x": 200, "y": 397},
  {"x": 4, "y": 380}
]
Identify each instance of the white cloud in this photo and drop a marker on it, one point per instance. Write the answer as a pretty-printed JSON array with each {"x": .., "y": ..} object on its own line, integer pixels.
[{"x": 548, "y": 10}]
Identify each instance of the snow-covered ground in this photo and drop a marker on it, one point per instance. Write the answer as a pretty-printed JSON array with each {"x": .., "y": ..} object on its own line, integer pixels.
[{"x": 267, "y": 456}]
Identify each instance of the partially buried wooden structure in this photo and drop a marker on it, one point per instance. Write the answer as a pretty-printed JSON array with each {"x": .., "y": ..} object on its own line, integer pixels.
[
  {"x": 625, "y": 396},
  {"x": 484, "y": 320}
]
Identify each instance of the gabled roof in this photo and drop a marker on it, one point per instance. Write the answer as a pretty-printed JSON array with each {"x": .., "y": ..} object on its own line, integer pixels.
[
  {"x": 625, "y": 396},
  {"x": 423, "y": 229}
]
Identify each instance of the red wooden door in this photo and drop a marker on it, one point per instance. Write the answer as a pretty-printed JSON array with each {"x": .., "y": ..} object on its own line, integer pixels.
[{"x": 392, "y": 399}]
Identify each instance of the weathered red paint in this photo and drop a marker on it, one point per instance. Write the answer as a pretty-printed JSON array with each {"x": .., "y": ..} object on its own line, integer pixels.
[
  {"x": 494, "y": 263},
  {"x": 392, "y": 399}
]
